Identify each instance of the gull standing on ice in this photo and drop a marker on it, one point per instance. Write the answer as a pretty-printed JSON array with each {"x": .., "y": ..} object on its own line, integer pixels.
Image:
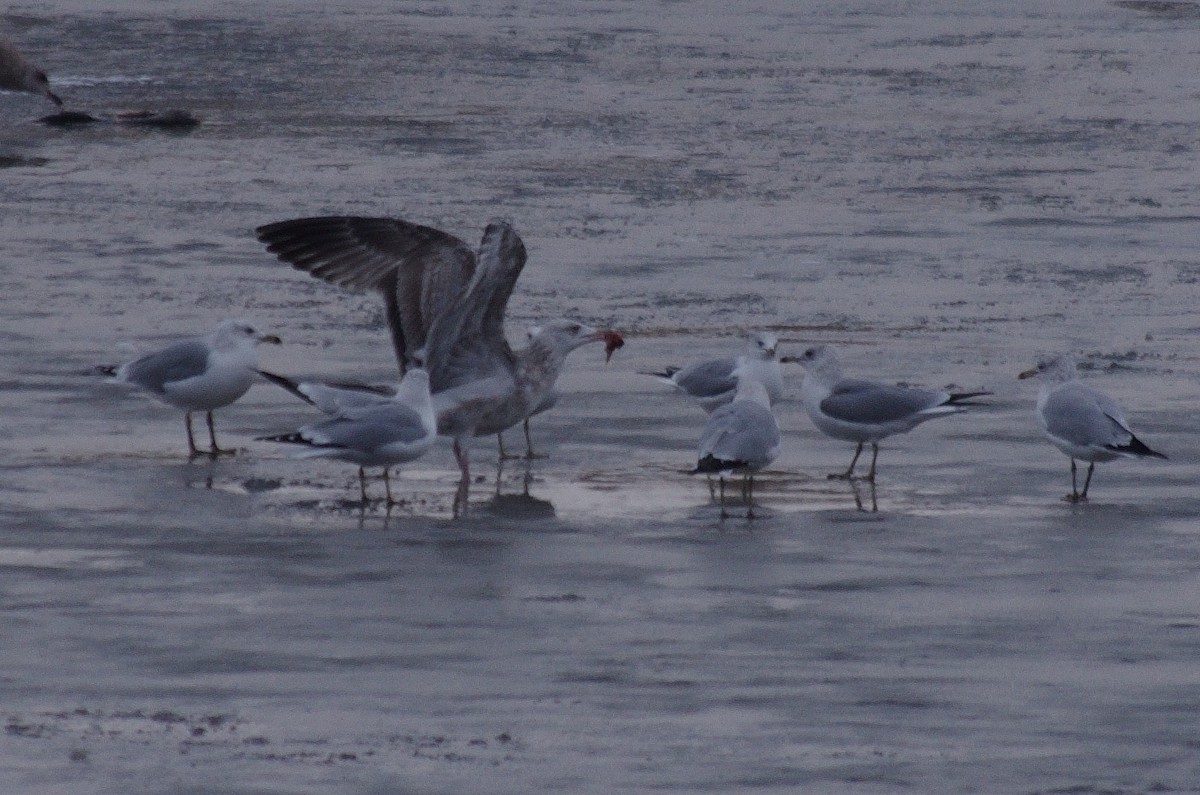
[
  {"x": 1084, "y": 423},
  {"x": 381, "y": 434},
  {"x": 712, "y": 382},
  {"x": 17, "y": 74},
  {"x": 742, "y": 436},
  {"x": 199, "y": 374},
  {"x": 862, "y": 412},
  {"x": 443, "y": 297}
]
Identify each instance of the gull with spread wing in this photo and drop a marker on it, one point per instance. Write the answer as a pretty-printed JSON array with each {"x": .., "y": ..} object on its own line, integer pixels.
[{"x": 447, "y": 300}]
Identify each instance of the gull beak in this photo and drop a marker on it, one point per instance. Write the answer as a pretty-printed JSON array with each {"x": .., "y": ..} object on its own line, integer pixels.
[
  {"x": 612, "y": 341},
  {"x": 1028, "y": 374},
  {"x": 788, "y": 360},
  {"x": 271, "y": 338}
]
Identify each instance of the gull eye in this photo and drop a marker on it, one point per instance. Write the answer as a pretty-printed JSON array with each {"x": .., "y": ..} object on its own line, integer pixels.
[{"x": 574, "y": 328}]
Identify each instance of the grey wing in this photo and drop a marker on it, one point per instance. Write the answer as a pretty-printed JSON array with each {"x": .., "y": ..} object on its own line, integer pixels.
[
  {"x": 339, "y": 398},
  {"x": 1075, "y": 414},
  {"x": 872, "y": 402},
  {"x": 421, "y": 271},
  {"x": 371, "y": 429},
  {"x": 467, "y": 342},
  {"x": 707, "y": 379},
  {"x": 176, "y": 362},
  {"x": 741, "y": 431}
]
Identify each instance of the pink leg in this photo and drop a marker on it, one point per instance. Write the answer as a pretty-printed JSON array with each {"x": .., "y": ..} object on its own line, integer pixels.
[{"x": 464, "y": 461}]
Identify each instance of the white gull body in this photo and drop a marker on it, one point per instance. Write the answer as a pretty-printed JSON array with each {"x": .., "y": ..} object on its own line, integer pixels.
[
  {"x": 200, "y": 373},
  {"x": 1082, "y": 422}
]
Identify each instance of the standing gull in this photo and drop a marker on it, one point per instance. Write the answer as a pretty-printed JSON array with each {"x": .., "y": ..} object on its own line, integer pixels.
[
  {"x": 712, "y": 383},
  {"x": 1084, "y": 423},
  {"x": 441, "y": 296},
  {"x": 333, "y": 397},
  {"x": 17, "y": 74},
  {"x": 396, "y": 431},
  {"x": 861, "y": 411},
  {"x": 742, "y": 436},
  {"x": 199, "y": 374}
]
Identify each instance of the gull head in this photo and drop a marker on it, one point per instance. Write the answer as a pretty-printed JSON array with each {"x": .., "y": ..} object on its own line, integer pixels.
[
  {"x": 414, "y": 387},
  {"x": 1055, "y": 368},
  {"x": 240, "y": 334},
  {"x": 762, "y": 345},
  {"x": 563, "y": 336}
]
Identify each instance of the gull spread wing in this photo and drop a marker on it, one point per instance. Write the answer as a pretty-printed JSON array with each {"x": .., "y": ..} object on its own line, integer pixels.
[
  {"x": 421, "y": 271},
  {"x": 467, "y": 343}
]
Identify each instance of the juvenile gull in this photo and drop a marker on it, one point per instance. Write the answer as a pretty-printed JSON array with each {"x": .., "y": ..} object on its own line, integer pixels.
[
  {"x": 548, "y": 401},
  {"x": 396, "y": 431},
  {"x": 1084, "y": 423},
  {"x": 200, "y": 374},
  {"x": 712, "y": 383},
  {"x": 861, "y": 411},
  {"x": 442, "y": 296},
  {"x": 17, "y": 74},
  {"x": 742, "y": 436}
]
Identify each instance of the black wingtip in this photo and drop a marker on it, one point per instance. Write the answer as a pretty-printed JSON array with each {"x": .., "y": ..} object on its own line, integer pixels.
[
  {"x": 288, "y": 384},
  {"x": 711, "y": 464},
  {"x": 1136, "y": 447},
  {"x": 284, "y": 438},
  {"x": 106, "y": 369},
  {"x": 666, "y": 372},
  {"x": 964, "y": 399}
]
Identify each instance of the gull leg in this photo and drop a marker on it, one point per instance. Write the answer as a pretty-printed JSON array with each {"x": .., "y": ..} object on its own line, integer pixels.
[
  {"x": 212, "y": 438},
  {"x": 721, "y": 480},
  {"x": 749, "y": 496},
  {"x": 504, "y": 454},
  {"x": 712, "y": 491},
  {"x": 849, "y": 473},
  {"x": 464, "y": 461},
  {"x": 529, "y": 444},
  {"x": 1074, "y": 495},
  {"x": 387, "y": 487},
  {"x": 874, "y": 456},
  {"x": 187, "y": 423},
  {"x": 1087, "y": 481},
  {"x": 461, "y": 495},
  {"x": 362, "y": 485}
]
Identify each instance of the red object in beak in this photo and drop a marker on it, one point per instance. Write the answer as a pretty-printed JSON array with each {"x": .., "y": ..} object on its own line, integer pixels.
[{"x": 612, "y": 341}]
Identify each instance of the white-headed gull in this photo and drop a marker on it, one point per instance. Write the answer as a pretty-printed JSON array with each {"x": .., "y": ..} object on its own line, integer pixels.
[
  {"x": 444, "y": 298},
  {"x": 17, "y": 74},
  {"x": 740, "y": 437},
  {"x": 712, "y": 383},
  {"x": 862, "y": 412},
  {"x": 1084, "y": 423},
  {"x": 199, "y": 374},
  {"x": 399, "y": 430}
]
